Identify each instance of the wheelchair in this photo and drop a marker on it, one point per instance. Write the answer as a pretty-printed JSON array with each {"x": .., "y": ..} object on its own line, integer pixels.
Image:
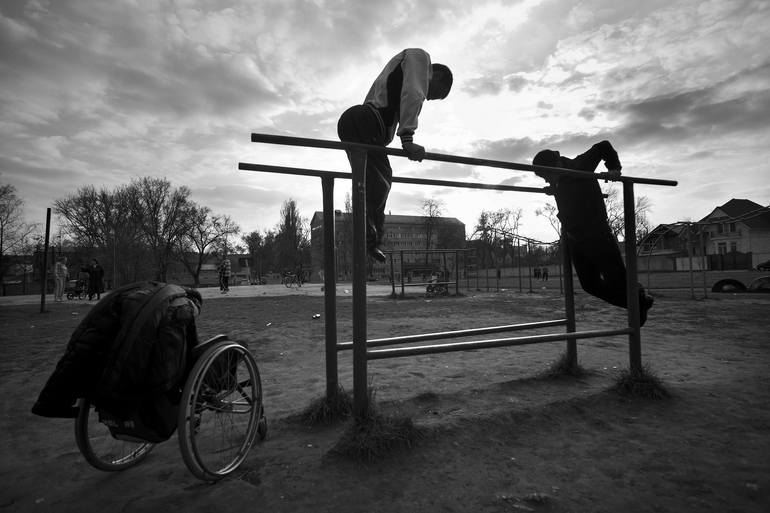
[{"x": 220, "y": 415}]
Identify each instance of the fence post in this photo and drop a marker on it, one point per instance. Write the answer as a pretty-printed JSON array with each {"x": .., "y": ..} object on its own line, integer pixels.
[
  {"x": 330, "y": 287},
  {"x": 689, "y": 256},
  {"x": 703, "y": 262},
  {"x": 44, "y": 280},
  {"x": 457, "y": 273},
  {"x": 360, "y": 383},
  {"x": 529, "y": 265}
]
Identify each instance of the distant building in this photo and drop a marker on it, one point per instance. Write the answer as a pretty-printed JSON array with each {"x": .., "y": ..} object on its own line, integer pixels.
[
  {"x": 735, "y": 235},
  {"x": 407, "y": 234}
]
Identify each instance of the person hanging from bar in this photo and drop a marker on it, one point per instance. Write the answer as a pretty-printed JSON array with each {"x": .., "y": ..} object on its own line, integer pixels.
[
  {"x": 394, "y": 100},
  {"x": 583, "y": 216}
]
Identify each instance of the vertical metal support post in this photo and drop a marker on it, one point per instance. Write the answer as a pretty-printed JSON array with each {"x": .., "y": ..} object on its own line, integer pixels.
[
  {"x": 401, "y": 256},
  {"x": 518, "y": 260},
  {"x": 561, "y": 266},
  {"x": 569, "y": 302},
  {"x": 457, "y": 273},
  {"x": 689, "y": 264},
  {"x": 703, "y": 264},
  {"x": 44, "y": 274},
  {"x": 392, "y": 277},
  {"x": 360, "y": 381},
  {"x": 634, "y": 338},
  {"x": 330, "y": 287},
  {"x": 529, "y": 264}
]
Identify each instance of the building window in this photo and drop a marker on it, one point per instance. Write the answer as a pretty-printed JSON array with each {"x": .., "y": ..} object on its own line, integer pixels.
[
  {"x": 733, "y": 247},
  {"x": 722, "y": 248}
]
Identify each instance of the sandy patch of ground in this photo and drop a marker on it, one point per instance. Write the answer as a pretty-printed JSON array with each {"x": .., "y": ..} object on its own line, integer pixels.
[{"x": 498, "y": 437}]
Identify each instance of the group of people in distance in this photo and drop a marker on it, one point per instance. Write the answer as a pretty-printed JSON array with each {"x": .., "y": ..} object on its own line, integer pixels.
[
  {"x": 392, "y": 108},
  {"x": 92, "y": 278}
]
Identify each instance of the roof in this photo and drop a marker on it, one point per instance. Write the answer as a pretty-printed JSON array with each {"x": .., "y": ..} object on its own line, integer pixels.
[{"x": 753, "y": 215}]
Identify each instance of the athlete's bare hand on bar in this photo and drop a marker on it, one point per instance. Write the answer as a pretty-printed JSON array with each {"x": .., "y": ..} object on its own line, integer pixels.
[{"x": 414, "y": 151}]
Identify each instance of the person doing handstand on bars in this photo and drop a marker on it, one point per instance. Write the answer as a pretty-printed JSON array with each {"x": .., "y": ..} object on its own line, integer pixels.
[
  {"x": 394, "y": 100},
  {"x": 583, "y": 216}
]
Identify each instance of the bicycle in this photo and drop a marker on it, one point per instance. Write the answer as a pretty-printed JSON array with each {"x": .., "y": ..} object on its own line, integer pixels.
[
  {"x": 291, "y": 279},
  {"x": 220, "y": 415}
]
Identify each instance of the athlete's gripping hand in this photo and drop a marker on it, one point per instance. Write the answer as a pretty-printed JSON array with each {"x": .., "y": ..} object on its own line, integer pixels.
[{"x": 414, "y": 151}]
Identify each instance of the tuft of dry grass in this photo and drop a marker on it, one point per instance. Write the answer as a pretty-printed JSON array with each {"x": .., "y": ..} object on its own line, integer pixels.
[
  {"x": 642, "y": 383},
  {"x": 328, "y": 410},
  {"x": 375, "y": 435},
  {"x": 562, "y": 367}
]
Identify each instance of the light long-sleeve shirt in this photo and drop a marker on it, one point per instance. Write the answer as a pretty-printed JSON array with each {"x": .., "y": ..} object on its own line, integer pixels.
[{"x": 399, "y": 92}]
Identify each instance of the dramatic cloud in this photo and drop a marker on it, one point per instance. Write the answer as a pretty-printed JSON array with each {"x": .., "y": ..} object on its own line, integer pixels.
[{"x": 100, "y": 93}]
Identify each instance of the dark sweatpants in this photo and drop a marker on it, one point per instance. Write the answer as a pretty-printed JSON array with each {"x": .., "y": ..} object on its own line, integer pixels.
[
  {"x": 583, "y": 215},
  {"x": 361, "y": 124}
]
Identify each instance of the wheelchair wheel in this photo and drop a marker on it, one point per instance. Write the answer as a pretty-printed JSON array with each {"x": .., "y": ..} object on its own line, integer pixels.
[
  {"x": 98, "y": 446},
  {"x": 221, "y": 410}
]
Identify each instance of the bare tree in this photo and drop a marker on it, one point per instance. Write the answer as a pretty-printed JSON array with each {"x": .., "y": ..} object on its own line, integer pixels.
[
  {"x": 204, "y": 232},
  {"x": 432, "y": 209},
  {"x": 292, "y": 235},
  {"x": 616, "y": 214},
  {"x": 14, "y": 231},
  {"x": 496, "y": 231},
  {"x": 550, "y": 212},
  {"x": 164, "y": 216}
]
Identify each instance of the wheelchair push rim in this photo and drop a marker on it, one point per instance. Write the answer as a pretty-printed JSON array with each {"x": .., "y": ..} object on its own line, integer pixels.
[{"x": 221, "y": 410}]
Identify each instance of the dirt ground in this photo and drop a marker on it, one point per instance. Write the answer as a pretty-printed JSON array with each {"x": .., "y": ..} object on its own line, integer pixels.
[{"x": 498, "y": 436}]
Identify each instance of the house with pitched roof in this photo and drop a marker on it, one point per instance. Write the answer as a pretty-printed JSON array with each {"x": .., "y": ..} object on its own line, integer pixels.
[{"x": 735, "y": 235}]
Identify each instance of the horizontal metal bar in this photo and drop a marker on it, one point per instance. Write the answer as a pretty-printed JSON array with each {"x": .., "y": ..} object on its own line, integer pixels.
[
  {"x": 293, "y": 171},
  {"x": 419, "y": 181},
  {"x": 426, "y": 283},
  {"x": 396, "y": 251},
  {"x": 390, "y": 341},
  {"x": 468, "y": 185},
  {"x": 395, "y": 352},
  {"x": 322, "y": 143}
]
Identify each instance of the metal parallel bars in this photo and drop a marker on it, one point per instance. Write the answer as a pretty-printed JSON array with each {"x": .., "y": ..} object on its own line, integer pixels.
[
  {"x": 357, "y": 155},
  {"x": 378, "y": 354},
  {"x": 405, "y": 339}
]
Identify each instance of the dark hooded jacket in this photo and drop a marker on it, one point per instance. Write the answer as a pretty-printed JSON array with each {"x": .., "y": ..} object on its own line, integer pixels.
[{"x": 135, "y": 343}]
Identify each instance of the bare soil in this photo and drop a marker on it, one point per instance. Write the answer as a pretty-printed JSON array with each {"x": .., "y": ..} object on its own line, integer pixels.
[{"x": 498, "y": 436}]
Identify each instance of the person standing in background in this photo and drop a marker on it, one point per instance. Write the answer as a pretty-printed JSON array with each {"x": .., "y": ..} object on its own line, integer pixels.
[
  {"x": 95, "y": 280},
  {"x": 60, "y": 278},
  {"x": 224, "y": 275}
]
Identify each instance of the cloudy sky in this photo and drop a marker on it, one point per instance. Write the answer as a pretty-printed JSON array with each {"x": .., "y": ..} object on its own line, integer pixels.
[{"x": 101, "y": 92}]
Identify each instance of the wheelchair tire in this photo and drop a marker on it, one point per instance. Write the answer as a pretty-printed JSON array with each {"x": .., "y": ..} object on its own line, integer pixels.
[
  {"x": 100, "y": 448},
  {"x": 221, "y": 410}
]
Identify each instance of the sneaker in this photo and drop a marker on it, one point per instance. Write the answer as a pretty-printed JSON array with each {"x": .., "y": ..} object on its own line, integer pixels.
[{"x": 377, "y": 254}]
